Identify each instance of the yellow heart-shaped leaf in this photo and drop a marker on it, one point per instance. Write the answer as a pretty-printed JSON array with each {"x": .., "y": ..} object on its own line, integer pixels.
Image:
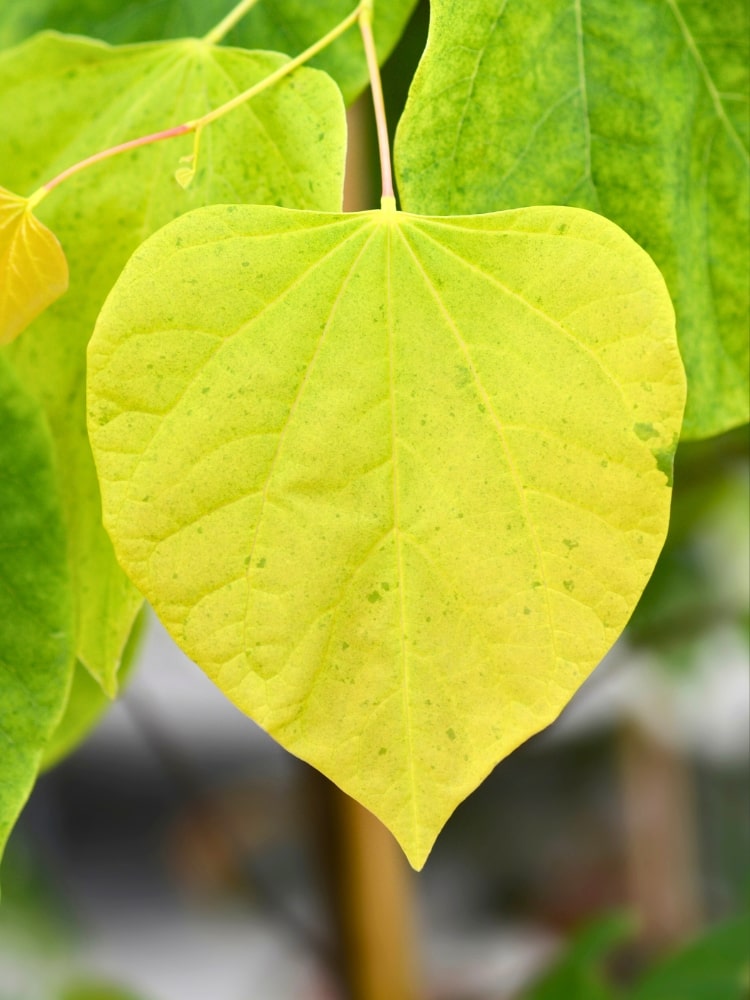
[{"x": 395, "y": 483}]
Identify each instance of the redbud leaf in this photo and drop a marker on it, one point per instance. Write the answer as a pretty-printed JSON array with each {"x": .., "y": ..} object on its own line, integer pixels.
[{"x": 395, "y": 483}]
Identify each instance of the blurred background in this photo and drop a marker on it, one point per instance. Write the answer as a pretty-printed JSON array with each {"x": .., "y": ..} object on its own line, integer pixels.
[{"x": 180, "y": 854}]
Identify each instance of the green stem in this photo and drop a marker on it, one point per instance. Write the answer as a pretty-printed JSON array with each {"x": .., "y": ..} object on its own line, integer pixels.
[
  {"x": 365, "y": 26},
  {"x": 282, "y": 71},
  {"x": 217, "y": 34},
  {"x": 198, "y": 123}
]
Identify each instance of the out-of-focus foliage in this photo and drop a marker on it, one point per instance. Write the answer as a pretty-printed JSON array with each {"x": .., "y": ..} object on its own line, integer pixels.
[
  {"x": 97, "y": 991},
  {"x": 715, "y": 967},
  {"x": 701, "y": 580},
  {"x": 579, "y": 974}
]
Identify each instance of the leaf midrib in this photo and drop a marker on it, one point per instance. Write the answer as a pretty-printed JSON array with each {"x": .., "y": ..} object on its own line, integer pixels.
[{"x": 398, "y": 536}]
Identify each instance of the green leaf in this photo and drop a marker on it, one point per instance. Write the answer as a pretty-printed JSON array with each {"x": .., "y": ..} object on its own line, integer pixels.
[
  {"x": 288, "y": 26},
  {"x": 700, "y": 582},
  {"x": 715, "y": 967},
  {"x": 62, "y": 100},
  {"x": 403, "y": 480},
  {"x": 291, "y": 25},
  {"x": 636, "y": 109},
  {"x": 96, "y": 990},
  {"x": 35, "y": 605},
  {"x": 33, "y": 269},
  {"x": 579, "y": 975},
  {"x": 87, "y": 703}
]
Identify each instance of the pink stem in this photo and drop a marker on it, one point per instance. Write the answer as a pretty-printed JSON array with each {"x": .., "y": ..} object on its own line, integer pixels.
[
  {"x": 378, "y": 103},
  {"x": 144, "y": 140}
]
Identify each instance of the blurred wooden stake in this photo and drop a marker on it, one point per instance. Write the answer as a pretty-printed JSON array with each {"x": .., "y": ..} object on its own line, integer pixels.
[
  {"x": 660, "y": 839},
  {"x": 376, "y": 907}
]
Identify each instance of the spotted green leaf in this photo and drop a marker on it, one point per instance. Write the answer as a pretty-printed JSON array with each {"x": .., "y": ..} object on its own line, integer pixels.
[
  {"x": 288, "y": 26},
  {"x": 64, "y": 99},
  {"x": 33, "y": 269},
  {"x": 36, "y": 628},
  {"x": 400, "y": 480},
  {"x": 636, "y": 109}
]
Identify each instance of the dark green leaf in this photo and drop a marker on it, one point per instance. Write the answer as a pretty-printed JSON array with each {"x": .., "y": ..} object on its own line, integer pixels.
[
  {"x": 578, "y": 975},
  {"x": 716, "y": 967},
  {"x": 36, "y": 627}
]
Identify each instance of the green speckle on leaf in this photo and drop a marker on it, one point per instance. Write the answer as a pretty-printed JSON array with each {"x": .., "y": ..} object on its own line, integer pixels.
[{"x": 645, "y": 431}]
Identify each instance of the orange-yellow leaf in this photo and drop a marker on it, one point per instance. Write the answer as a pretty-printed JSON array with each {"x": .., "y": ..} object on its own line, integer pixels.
[{"x": 33, "y": 268}]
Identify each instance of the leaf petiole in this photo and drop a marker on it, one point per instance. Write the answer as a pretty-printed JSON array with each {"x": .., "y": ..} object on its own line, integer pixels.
[
  {"x": 105, "y": 154},
  {"x": 365, "y": 27},
  {"x": 282, "y": 71}
]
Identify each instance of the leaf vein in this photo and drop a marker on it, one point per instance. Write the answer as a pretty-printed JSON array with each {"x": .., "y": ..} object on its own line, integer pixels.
[
  {"x": 300, "y": 392},
  {"x": 555, "y": 323},
  {"x": 485, "y": 397}
]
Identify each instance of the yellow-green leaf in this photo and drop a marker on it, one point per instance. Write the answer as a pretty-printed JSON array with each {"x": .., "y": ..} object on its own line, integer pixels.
[
  {"x": 62, "y": 99},
  {"x": 33, "y": 268},
  {"x": 395, "y": 483}
]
